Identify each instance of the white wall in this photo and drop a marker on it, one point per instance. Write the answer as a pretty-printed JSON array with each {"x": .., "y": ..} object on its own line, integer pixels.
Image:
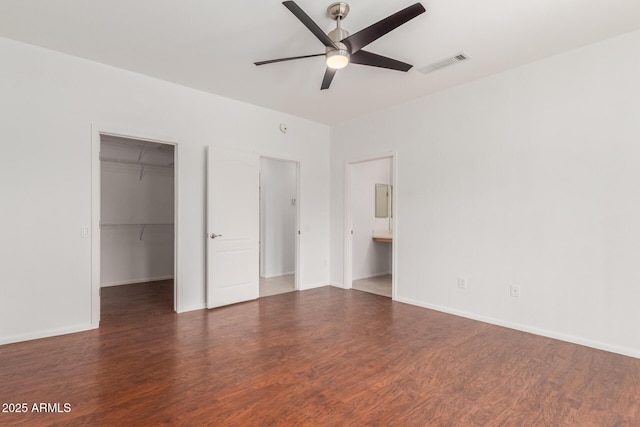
[
  {"x": 527, "y": 177},
  {"x": 278, "y": 185},
  {"x": 130, "y": 254},
  {"x": 369, "y": 258},
  {"x": 48, "y": 105}
]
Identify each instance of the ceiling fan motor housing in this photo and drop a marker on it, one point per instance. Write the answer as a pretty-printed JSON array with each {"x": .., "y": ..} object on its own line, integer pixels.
[
  {"x": 337, "y": 35},
  {"x": 341, "y": 50}
]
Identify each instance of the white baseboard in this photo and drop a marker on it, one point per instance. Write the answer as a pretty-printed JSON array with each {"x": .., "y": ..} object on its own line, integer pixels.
[
  {"x": 133, "y": 281},
  {"x": 307, "y": 286},
  {"x": 372, "y": 276},
  {"x": 338, "y": 285},
  {"x": 269, "y": 276},
  {"x": 191, "y": 308},
  {"x": 46, "y": 334},
  {"x": 530, "y": 329}
]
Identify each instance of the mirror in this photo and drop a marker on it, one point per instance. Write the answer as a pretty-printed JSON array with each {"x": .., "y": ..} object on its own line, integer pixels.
[{"x": 383, "y": 199}]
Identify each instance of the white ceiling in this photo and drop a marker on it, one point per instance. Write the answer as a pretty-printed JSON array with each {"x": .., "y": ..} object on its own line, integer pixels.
[{"x": 211, "y": 45}]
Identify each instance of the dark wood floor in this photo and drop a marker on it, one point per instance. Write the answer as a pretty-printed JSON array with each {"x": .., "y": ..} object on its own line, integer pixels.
[{"x": 325, "y": 357}]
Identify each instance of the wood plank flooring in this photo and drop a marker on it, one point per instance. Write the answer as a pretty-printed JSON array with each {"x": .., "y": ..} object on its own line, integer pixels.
[{"x": 323, "y": 357}]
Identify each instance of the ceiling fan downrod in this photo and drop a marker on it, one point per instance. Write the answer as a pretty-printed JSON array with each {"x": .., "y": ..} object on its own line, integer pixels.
[{"x": 339, "y": 56}]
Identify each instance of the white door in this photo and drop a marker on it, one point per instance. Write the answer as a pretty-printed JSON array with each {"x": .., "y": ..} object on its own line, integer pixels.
[{"x": 232, "y": 227}]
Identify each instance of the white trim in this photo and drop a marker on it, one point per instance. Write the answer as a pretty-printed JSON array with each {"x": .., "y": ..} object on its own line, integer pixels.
[
  {"x": 394, "y": 232},
  {"x": 45, "y": 334},
  {"x": 313, "y": 286},
  {"x": 134, "y": 281},
  {"x": 297, "y": 275},
  {"x": 176, "y": 226},
  {"x": 347, "y": 262},
  {"x": 348, "y": 220},
  {"x": 529, "y": 329},
  {"x": 271, "y": 276},
  {"x": 372, "y": 276},
  {"x": 95, "y": 226},
  {"x": 281, "y": 157},
  {"x": 193, "y": 307},
  {"x": 96, "y": 132}
]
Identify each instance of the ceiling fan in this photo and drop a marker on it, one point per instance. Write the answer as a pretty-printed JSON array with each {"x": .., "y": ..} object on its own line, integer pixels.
[{"x": 342, "y": 48}]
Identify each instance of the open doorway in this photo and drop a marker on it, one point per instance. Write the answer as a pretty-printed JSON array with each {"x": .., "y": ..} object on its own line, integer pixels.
[
  {"x": 279, "y": 211},
  {"x": 135, "y": 201},
  {"x": 370, "y": 193}
]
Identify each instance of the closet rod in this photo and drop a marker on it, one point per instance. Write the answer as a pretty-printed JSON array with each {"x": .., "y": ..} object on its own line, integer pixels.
[
  {"x": 131, "y": 162},
  {"x": 115, "y": 224},
  {"x": 143, "y": 226}
]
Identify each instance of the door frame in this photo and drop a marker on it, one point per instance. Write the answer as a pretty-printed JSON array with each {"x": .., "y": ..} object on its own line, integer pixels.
[
  {"x": 296, "y": 284},
  {"x": 96, "y": 132},
  {"x": 348, "y": 219}
]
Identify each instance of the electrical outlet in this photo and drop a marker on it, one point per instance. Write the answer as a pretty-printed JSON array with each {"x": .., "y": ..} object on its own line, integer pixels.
[
  {"x": 462, "y": 283},
  {"x": 515, "y": 291}
]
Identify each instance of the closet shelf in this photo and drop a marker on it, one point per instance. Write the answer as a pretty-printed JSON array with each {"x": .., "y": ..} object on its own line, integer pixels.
[
  {"x": 139, "y": 163},
  {"x": 142, "y": 226}
]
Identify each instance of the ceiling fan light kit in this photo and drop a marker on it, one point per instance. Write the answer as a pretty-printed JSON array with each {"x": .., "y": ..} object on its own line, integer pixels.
[
  {"x": 342, "y": 48},
  {"x": 337, "y": 58}
]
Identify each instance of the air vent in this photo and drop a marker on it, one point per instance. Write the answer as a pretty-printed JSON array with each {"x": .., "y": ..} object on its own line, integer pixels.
[{"x": 427, "y": 69}]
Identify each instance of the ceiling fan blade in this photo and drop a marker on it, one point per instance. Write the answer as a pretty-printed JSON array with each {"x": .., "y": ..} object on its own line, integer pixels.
[
  {"x": 363, "y": 57},
  {"x": 328, "y": 76},
  {"x": 357, "y": 41},
  {"x": 308, "y": 22},
  {"x": 271, "y": 61}
]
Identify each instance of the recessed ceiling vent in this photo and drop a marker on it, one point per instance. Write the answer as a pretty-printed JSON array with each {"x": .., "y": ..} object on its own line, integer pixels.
[{"x": 427, "y": 69}]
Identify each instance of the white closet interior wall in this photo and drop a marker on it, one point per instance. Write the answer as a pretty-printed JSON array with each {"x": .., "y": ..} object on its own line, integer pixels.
[{"x": 137, "y": 211}]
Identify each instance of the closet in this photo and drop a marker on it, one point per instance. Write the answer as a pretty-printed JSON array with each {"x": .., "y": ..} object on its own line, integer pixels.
[{"x": 136, "y": 211}]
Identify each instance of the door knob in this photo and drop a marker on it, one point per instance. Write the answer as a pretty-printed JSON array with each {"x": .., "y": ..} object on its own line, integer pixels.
[{"x": 214, "y": 235}]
